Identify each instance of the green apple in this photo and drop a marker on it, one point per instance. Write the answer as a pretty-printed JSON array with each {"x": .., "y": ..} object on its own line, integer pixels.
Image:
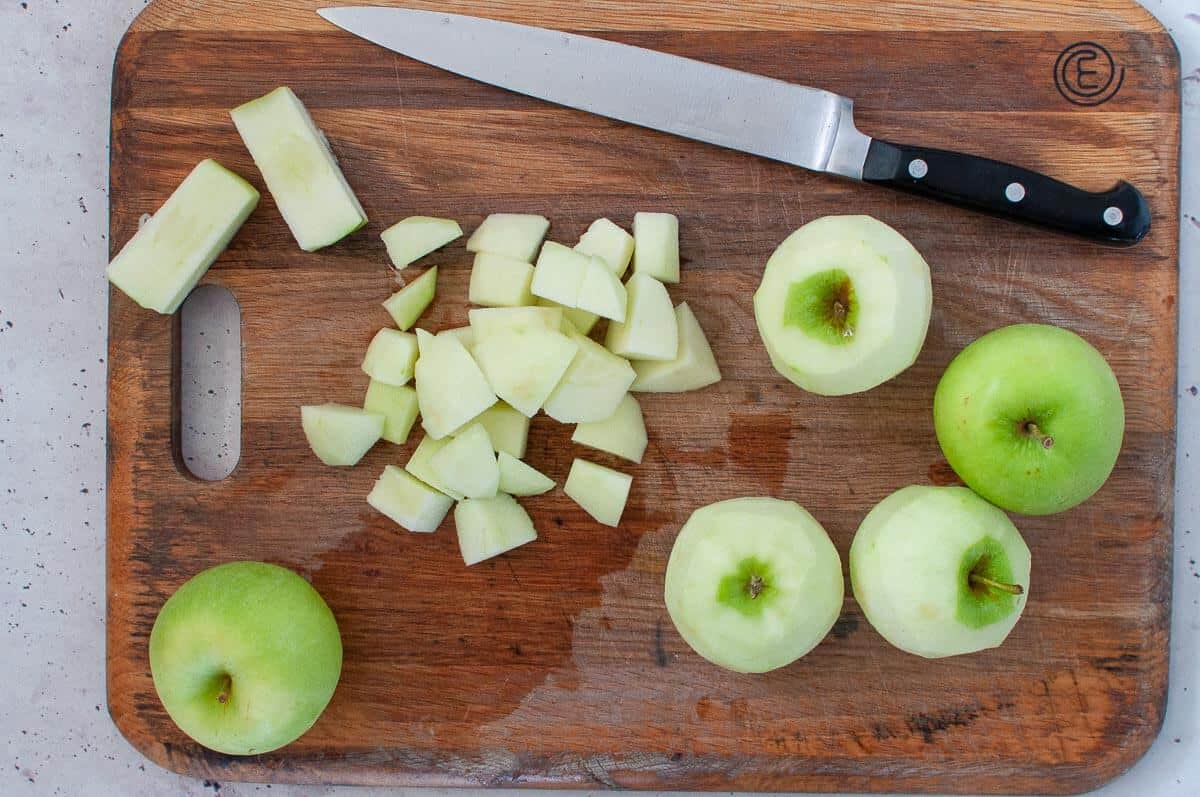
[
  {"x": 938, "y": 571},
  {"x": 515, "y": 235},
  {"x": 245, "y": 656},
  {"x": 753, "y": 583},
  {"x": 1030, "y": 417}
]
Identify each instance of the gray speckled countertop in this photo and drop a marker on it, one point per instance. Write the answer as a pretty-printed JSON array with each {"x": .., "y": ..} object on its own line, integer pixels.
[{"x": 55, "y": 62}]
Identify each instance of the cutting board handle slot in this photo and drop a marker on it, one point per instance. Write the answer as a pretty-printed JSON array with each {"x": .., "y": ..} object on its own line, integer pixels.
[{"x": 210, "y": 383}]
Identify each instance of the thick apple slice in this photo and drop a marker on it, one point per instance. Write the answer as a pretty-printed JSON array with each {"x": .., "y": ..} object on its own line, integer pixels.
[
  {"x": 580, "y": 320},
  {"x": 650, "y": 331},
  {"x": 409, "y": 501},
  {"x": 601, "y": 292},
  {"x": 938, "y": 571},
  {"x": 340, "y": 435},
  {"x": 623, "y": 433},
  {"x": 488, "y": 527},
  {"x": 510, "y": 234},
  {"x": 844, "y": 305},
  {"x": 419, "y": 465},
  {"x": 518, "y": 478},
  {"x": 610, "y": 243},
  {"x": 499, "y": 281},
  {"x": 397, "y": 405},
  {"x": 467, "y": 464},
  {"x": 656, "y": 246},
  {"x": 507, "y": 429},
  {"x": 559, "y": 274},
  {"x": 492, "y": 320},
  {"x": 413, "y": 238},
  {"x": 391, "y": 357},
  {"x": 694, "y": 366},
  {"x": 753, "y": 583},
  {"x": 301, "y": 173},
  {"x": 451, "y": 389},
  {"x": 165, "y": 259},
  {"x": 407, "y": 304},
  {"x": 592, "y": 386},
  {"x": 601, "y": 491},
  {"x": 524, "y": 366}
]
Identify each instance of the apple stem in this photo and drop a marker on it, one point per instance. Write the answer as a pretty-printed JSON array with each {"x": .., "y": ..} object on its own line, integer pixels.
[
  {"x": 755, "y": 587},
  {"x": 1011, "y": 589},
  {"x": 1032, "y": 430},
  {"x": 226, "y": 686}
]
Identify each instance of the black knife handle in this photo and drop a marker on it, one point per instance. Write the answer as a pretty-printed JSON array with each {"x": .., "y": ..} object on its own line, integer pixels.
[{"x": 1118, "y": 216}]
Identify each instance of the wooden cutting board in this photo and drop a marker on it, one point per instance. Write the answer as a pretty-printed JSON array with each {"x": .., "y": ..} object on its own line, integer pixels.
[{"x": 557, "y": 665}]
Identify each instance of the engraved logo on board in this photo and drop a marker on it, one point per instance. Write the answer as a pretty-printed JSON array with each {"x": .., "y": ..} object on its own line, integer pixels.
[{"x": 1087, "y": 74}]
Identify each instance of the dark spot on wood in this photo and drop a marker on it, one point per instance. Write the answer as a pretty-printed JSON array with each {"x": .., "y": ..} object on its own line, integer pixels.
[
  {"x": 881, "y": 732},
  {"x": 660, "y": 653},
  {"x": 372, "y": 572},
  {"x": 846, "y": 625},
  {"x": 1124, "y": 663},
  {"x": 932, "y": 723},
  {"x": 942, "y": 475}
]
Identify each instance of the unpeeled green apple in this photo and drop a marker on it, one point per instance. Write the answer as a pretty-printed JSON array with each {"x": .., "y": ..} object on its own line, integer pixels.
[
  {"x": 245, "y": 656},
  {"x": 938, "y": 571},
  {"x": 1030, "y": 417}
]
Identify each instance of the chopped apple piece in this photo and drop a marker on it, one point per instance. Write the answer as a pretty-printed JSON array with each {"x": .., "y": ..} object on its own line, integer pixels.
[
  {"x": 559, "y": 274},
  {"x": 407, "y": 304},
  {"x": 694, "y": 366},
  {"x": 656, "y": 246},
  {"x": 592, "y": 386},
  {"x": 499, "y": 281},
  {"x": 608, "y": 242},
  {"x": 299, "y": 169},
  {"x": 601, "y": 491},
  {"x": 507, "y": 429},
  {"x": 518, "y": 478},
  {"x": 488, "y": 527},
  {"x": 467, "y": 464},
  {"x": 419, "y": 465},
  {"x": 650, "y": 331},
  {"x": 451, "y": 389},
  {"x": 397, "y": 405},
  {"x": 492, "y": 320},
  {"x": 391, "y": 357},
  {"x": 340, "y": 435},
  {"x": 523, "y": 366},
  {"x": 510, "y": 234},
  {"x": 465, "y": 336},
  {"x": 580, "y": 320},
  {"x": 601, "y": 292},
  {"x": 409, "y": 501},
  {"x": 623, "y": 433},
  {"x": 413, "y": 238}
]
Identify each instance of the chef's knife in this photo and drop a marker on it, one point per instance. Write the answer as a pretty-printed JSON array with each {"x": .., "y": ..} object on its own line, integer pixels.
[{"x": 775, "y": 119}]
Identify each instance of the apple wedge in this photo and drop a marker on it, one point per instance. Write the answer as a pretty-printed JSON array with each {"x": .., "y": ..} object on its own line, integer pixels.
[
  {"x": 499, "y": 281},
  {"x": 467, "y": 464},
  {"x": 580, "y": 320},
  {"x": 488, "y": 527},
  {"x": 559, "y": 274},
  {"x": 516, "y": 235},
  {"x": 391, "y": 357},
  {"x": 601, "y": 292},
  {"x": 694, "y": 366},
  {"x": 419, "y": 465},
  {"x": 656, "y": 246},
  {"x": 623, "y": 433},
  {"x": 406, "y": 305},
  {"x": 650, "y": 331},
  {"x": 464, "y": 335},
  {"x": 408, "y": 501},
  {"x": 592, "y": 386},
  {"x": 490, "y": 321},
  {"x": 397, "y": 405},
  {"x": 523, "y": 366},
  {"x": 451, "y": 389},
  {"x": 518, "y": 478},
  {"x": 506, "y": 428},
  {"x": 601, "y": 491},
  {"x": 411, "y": 239},
  {"x": 340, "y": 435},
  {"x": 610, "y": 243}
]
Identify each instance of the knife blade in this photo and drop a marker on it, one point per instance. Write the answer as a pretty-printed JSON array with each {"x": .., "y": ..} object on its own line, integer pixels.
[{"x": 807, "y": 127}]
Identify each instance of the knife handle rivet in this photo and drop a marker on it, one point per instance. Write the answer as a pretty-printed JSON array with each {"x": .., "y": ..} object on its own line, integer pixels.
[
  {"x": 917, "y": 168},
  {"x": 1014, "y": 192},
  {"x": 1113, "y": 216}
]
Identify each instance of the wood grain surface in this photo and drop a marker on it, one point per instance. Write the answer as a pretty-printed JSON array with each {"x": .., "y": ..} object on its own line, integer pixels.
[{"x": 557, "y": 665}]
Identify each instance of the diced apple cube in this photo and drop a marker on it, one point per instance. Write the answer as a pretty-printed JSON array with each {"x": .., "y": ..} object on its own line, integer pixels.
[
  {"x": 465, "y": 336},
  {"x": 408, "y": 501},
  {"x": 523, "y": 366},
  {"x": 467, "y": 464},
  {"x": 581, "y": 321},
  {"x": 623, "y": 434},
  {"x": 592, "y": 386},
  {"x": 650, "y": 331},
  {"x": 507, "y": 429},
  {"x": 499, "y": 281},
  {"x": 559, "y": 274},
  {"x": 407, "y": 304},
  {"x": 413, "y": 238},
  {"x": 601, "y": 491},
  {"x": 610, "y": 243},
  {"x": 511, "y": 234},
  {"x": 492, "y": 320},
  {"x": 391, "y": 357},
  {"x": 419, "y": 465},
  {"x": 397, "y": 405},
  {"x": 340, "y": 435},
  {"x": 451, "y": 389},
  {"x": 518, "y": 478},
  {"x": 694, "y": 366},
  {"x": 601, "y": 292},
  {"x": 656, "y": 246},
  {"x": 488, "y": 527}
]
